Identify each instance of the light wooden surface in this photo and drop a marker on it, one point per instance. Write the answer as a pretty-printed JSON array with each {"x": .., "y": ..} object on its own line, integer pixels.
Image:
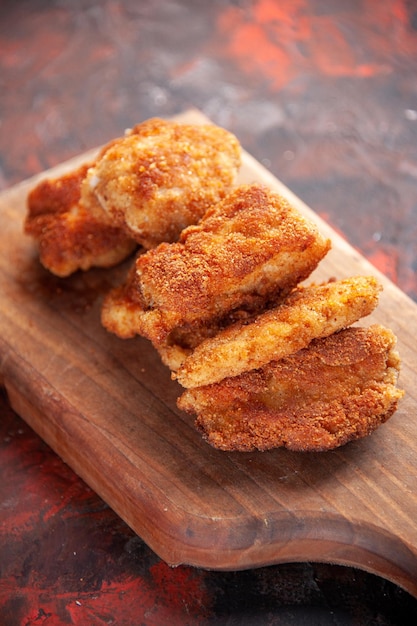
[{"x": 107, "y": 407}]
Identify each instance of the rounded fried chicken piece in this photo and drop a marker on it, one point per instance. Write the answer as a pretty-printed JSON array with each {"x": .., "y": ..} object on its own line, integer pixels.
[
  {"x": 307, "y": 313},
  {"x": 339, "y": 389},
  {"x": 161, "y": 177},
  {"x": 69, "y": 238},
  {"x": 246, "y": 252}
]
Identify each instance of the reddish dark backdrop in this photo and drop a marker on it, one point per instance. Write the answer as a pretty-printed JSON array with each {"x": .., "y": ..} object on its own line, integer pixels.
[{"x": 324, "y": 93}]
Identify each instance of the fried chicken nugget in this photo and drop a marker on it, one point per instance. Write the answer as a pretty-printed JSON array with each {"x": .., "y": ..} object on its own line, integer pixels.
[
  {"x": 249, "y": 249},
  {"x": 308, "y": 313},
  {"x": 68, "y": 237},
  {"x": 338, "y": 389},
  {"x": 161, "y": 177}
]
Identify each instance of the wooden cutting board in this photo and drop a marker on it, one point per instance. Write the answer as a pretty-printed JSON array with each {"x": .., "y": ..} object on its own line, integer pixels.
[{"x": 108, "y": 407}]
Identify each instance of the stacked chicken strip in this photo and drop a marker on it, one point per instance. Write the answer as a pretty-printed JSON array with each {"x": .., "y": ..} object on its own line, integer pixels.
[{"x": 216, "y": 287}]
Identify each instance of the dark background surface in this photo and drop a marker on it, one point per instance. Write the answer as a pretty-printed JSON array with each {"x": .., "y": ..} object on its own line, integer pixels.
[{"x": 324, "y": 94}]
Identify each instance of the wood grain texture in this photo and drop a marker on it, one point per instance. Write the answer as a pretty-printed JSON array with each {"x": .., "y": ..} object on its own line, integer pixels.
[{"x": 107, "y": 407}]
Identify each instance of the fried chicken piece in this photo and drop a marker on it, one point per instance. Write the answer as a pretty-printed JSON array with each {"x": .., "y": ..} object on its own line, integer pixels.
[
  {"x": 339, "y": 389},
  {"x": 161, "y": 177},
  {"x": 308, "y": 313},
  {"x": 68, "y": 237},
  {"x": 250, "y": 249},
  {"x": 143, "y": 188}
]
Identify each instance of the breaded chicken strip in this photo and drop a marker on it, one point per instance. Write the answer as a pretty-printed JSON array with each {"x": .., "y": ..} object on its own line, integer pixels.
[
  {"x": 250, "y": 249},
  {"x": 161, "y": 177},
  {"x": 68, "y": 237},
  {"x": 308, "y": 313},
  {"x": 338, "y": 389}
]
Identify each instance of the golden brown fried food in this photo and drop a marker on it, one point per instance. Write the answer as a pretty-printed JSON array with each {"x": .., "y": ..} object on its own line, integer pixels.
[
  {"x": 161, "y": 177},
  {"x": 250, "y": 249},
  {"x": 338, "y": 389},
  {"x": 308, "y": 313},
  {"x": 143, "y": 188},
  {"x": 68, "y": 237}
]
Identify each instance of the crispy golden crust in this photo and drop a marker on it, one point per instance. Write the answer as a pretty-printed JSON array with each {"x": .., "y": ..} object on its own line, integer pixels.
[
  {"x": 69, "y": 238},
  {"x": 216, "y": 288},
  {"x": 248, "y": 250},
  {"x": 161, "y": 177},
  {"x": 338, "y": 389},
  {"x": 143, "y": 188},
  {"x": 308, "y": 313}
]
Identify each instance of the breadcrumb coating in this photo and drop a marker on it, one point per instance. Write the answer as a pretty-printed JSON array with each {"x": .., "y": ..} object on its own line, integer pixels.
[
  {"x": 216, "y": 287},
  {"x": 308, "y": 313},
  {"x": 143, "y": 188},
  {"x": 161, "y": 177},
  {"x": 338, "y": 389},
  {"x": 68, "y": 237},
  {"x": 247, "y": 251}
]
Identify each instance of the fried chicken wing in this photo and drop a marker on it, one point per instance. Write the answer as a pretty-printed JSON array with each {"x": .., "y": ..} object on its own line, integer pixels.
[
  {"x": 308, "y": 313},
  {"x": 68, "y": 237},
  {"x": 248, "y": 250},
  {"x": 340, "y": 388},
  {"x": 161, "y": 177}
]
